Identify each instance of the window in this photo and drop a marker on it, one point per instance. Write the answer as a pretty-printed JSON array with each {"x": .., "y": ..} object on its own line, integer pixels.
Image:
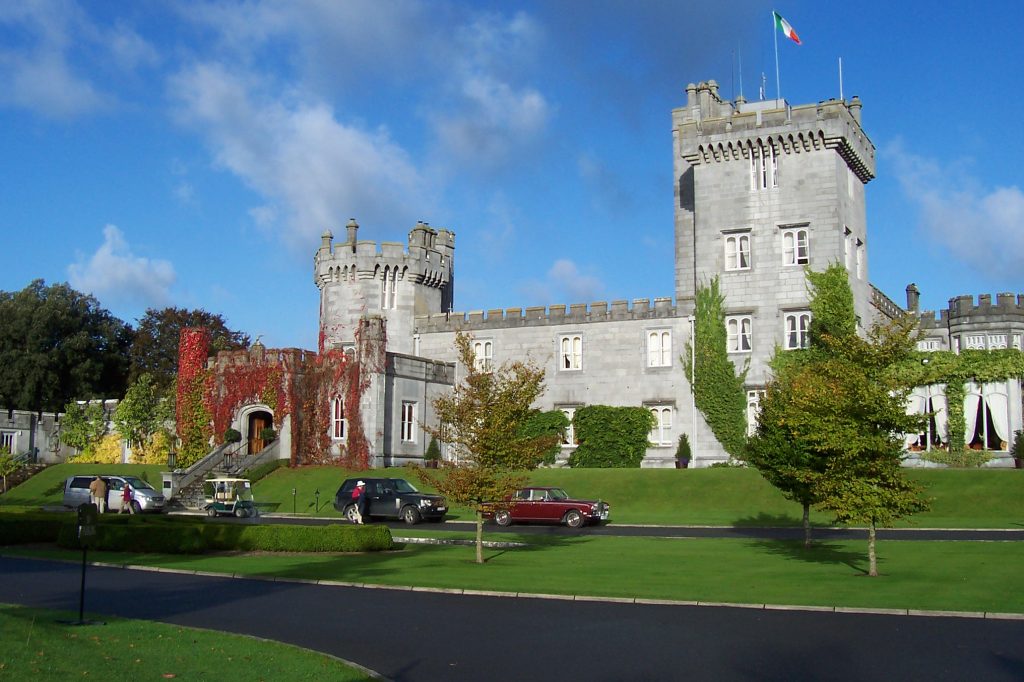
[
  {"x": 986, "y": 414},
  {"x": 571, "y": 352},
  {"x": 483, "y": 352},
  {"x": 929, "y": 344},
  {"x": 794, "y": 247},
  {"x": 764, "y": 167},
  {"x": 974, "y": 342},
  {"x": 847, "y": 238},
  {"x": 661, "y": 433},
  {"x": 737, "y": 251},
  {"x": 408, "y": 421},
  {"x": 738, "y": 332},
  {"x": 659, "y": 348},
  {"x": 569, "y": 435},
  {"x": 931, "y": 401},
  {"x": 860, "y": 259},
  {"x": 1016, "y": 341},
  {"x": 8, "y": 439},
  {"x": 797, "y": 325},
  {"x": 753, "y": 409},
  {"x": 387, "y": 294},
  {"x": 997, "y": 341},
  {"x": 338, "y": 419}
]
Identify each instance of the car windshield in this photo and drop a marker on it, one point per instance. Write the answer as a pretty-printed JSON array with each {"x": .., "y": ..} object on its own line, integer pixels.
[
  {"x": 137, "y": 483},
  {"x": 557, "y": 494},
  {"x": 403, "y": 486}
]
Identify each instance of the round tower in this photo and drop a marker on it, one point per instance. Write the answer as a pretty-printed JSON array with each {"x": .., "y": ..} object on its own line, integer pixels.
[{"x": 394, "y": 281}]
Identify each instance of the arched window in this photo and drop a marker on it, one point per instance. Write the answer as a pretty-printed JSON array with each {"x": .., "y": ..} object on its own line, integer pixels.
[{"x": 338, "y": 424}]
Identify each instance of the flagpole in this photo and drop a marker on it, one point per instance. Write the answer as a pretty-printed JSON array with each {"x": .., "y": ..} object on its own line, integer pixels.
[{"x": 775, "y": 33}]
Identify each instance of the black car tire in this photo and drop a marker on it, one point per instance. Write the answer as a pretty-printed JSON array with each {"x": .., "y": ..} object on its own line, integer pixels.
[
  {"x": 241, "y": 513},
  {"x": 210, "y": 511},
  {"x": 410, "y": 515},
  {"x": 503, "y": 517},
  {"x": 136, "y": 507},
  {"x": 350, "y": 513},
  {"x": 573, "y": 518}
]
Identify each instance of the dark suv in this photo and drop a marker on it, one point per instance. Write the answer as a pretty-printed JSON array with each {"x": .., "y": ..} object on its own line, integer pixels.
[{"x": 391, "y": 498}]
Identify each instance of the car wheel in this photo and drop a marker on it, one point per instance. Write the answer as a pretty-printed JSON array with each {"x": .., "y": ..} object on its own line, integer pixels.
[
  {"x": 136, "y": 507},
  {"x": 210, "y": 511},
  {"x": 503, "y": 517},
  {"x": 573, "y": 518},
  {"x": 411, "y": 515},
  {"x": 350, "y": 513},
  {"x": 241, "y": 513}
]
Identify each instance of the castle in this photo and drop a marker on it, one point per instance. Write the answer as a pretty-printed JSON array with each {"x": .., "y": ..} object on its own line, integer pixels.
[{"x": 762, "y": 190}]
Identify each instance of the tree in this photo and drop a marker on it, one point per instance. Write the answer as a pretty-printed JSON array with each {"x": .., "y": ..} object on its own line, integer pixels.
[
  {"x": 783, "y": 458},
  {"x": 8, "y": 465},
  {"x": 832, "y": 419},
  {"x": 57, "y": 345},
  {"x": 83, "y": 427},
  {"x": 718, "y": 388},
  {"x": 482, "y": 420},
  {"x": 155, "y": 349},
  {"x": 141, "y": 412}
]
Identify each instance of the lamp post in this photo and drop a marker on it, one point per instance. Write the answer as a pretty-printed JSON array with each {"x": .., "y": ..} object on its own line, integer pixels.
[
  {"x": 293, "y": 500},
  {"x": 317, "y": 496},
  {"x": 172, "y": 459}
]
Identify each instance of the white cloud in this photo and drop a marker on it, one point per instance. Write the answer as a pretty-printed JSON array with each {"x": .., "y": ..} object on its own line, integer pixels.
[
  {"x": 564, "y": 282},
  {"x": 307, "y": 165},
  {"x": 114, "y": 274},
  {"x": 42, "y": 69},
  {"x": 982, "y": 227}
]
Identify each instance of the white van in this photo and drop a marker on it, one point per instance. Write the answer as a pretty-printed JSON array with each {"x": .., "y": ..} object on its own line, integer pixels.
[{"x": 145, "y": 497}]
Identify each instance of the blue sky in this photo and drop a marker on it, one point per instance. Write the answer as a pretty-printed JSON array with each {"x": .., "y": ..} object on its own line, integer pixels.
[{"x": 191, "y": 153}]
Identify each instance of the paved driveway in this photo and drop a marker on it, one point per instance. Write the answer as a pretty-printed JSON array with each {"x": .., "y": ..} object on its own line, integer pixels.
[{"x": 414, "y": 636}]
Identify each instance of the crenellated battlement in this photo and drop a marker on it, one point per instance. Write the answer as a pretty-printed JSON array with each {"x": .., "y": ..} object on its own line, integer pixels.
[
  {"x": 535, "y": 316},
  {"x": 288, "y": 359},
  {"x": 426, "y": 259},
  {"x": 716, "y": 130},
  {"x": 1006, "y": 304}
]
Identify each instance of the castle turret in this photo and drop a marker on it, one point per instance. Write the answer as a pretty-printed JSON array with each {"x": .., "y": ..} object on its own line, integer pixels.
[{"x": 393, "y": 281}]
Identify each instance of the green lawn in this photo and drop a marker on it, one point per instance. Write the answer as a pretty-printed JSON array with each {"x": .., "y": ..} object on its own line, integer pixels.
[
  {"x": 961, "y": 498},
  {"x": 47, "y": 487},
  {"x": 959, "y": 576},
  {"x": 40, "y": 648}
]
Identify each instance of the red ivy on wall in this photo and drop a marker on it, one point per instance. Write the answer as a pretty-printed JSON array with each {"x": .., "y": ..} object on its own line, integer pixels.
[{"x": 192, "y": 419}]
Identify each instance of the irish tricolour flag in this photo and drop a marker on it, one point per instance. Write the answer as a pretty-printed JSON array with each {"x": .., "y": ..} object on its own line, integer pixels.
[{"x": 786, "y": 29}]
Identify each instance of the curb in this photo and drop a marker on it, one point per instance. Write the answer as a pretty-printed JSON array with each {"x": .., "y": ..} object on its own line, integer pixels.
[{"x": 639, "y": 601}]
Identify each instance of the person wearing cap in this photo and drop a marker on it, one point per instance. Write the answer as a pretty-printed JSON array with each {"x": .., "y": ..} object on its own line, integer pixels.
[{"x": 359, "y": 497}]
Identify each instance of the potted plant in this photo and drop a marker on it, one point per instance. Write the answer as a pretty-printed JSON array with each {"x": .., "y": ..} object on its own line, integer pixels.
[
  {"x": 232, "y": 436},
  {"x": 432, "y": 455},
  {"x": 683, "y": 452},
  {"x": 268, "y": 434}
]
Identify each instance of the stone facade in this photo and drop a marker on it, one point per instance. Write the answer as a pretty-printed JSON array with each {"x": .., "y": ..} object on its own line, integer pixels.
[{"x": 762, "y": 189}]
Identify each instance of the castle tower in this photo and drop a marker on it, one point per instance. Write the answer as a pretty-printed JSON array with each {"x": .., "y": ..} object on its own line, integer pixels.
[
  {"x": 357, "y": 279},
  {"x": 763, "y": 190}
]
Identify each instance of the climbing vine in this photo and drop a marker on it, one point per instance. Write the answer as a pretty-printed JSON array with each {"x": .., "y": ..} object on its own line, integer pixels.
[
  {"x": 717, "y": 387},
  {"x": 192, "y": 418}
]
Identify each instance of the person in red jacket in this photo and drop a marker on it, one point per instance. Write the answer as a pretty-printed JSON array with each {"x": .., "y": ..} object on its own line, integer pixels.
[
  {"x": 126, "y": 500},
  {"x": 359, "y": 498}
]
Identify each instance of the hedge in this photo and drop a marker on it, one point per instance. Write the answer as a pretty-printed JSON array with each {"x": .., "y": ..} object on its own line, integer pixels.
[
  {"x": 197, "y": 538},
  {"x": 19, "y": 529}
]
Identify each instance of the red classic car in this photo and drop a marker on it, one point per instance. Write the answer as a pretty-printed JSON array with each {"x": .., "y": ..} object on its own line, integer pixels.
[{"x": 551, "y": 505}]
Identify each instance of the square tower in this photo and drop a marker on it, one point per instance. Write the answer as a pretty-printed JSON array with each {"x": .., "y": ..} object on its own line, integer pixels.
[{"x": 763, "y": 190}]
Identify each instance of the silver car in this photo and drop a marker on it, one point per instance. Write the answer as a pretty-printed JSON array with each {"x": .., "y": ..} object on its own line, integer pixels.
[{"x": 144, "y": 496}]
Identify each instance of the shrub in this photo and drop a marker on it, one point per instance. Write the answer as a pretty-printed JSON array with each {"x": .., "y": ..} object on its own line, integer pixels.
[
  {"x": 683, "y": 452},
  {"x": 268, "y": 434},
  {"x": 551, "y": 423},
  {"x": 611, "y": 437},
  {"x": 232, "y": 436},
  {"x": 21, "y": 528}
]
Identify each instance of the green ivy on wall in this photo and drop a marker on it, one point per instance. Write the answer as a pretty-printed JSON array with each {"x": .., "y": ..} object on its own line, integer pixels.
[
  {"x": 955, "y": 371},
  {"x": 717, "y": 387},
  {"x": 610, "y": 437}
]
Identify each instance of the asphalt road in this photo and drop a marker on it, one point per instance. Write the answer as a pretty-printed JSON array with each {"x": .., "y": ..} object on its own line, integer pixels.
[
  {"x": 757, "y": 533},
  {"x": 416, "y": 636}
]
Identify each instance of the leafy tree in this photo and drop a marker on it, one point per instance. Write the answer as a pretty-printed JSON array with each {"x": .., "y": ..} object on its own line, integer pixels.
[
  {"x": 832, "y": 419},
  {"x": 482, "y": 420},
  {"x": 551, "y": 424},
  {"x": 611, "y": 437},
  {"x": 717, "y": 387},
  {"x": 783, "y": 459},
  {"x": 57, "y": 345},
  {"x": 155, "y": 349},
  {"x": 141, "y": 413},
  {"x": 8, "y": 464},
  {"x": 83, "y": 427}
]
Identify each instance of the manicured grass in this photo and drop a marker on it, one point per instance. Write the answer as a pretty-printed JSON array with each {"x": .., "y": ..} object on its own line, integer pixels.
[
  {"x": 959, "y": 576},
  {"x": 37, "y": 647},
  {"x": 734, "y": 496},
  {"x": 47, "y": 487}
]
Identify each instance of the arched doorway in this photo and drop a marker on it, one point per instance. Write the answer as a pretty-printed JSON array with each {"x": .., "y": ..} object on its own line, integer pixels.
[{"x": 256, "y": 422}]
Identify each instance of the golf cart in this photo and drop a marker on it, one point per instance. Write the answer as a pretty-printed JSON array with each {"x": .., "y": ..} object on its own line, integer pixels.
[{"x": 229, "y": 496}]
